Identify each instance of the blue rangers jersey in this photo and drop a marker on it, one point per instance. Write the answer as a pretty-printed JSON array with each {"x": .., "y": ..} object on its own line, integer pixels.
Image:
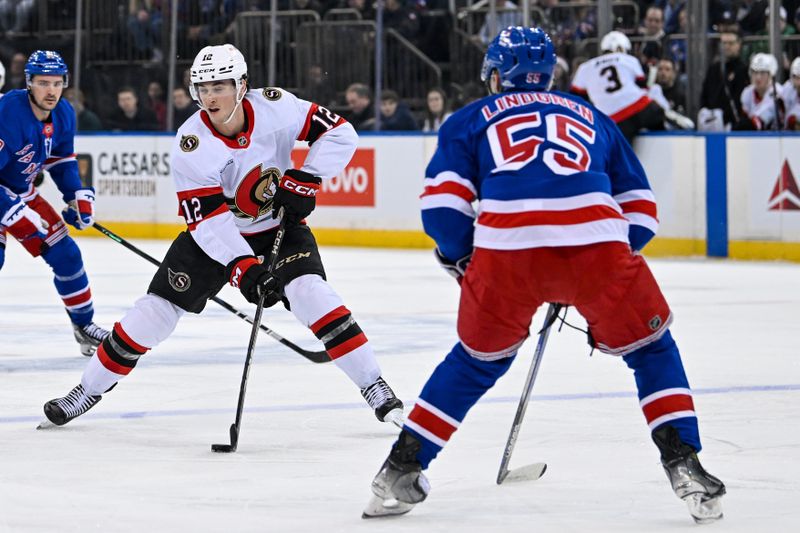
[
  {"x": 548, "y": 169},
  {"x": 27, "y": 146}
]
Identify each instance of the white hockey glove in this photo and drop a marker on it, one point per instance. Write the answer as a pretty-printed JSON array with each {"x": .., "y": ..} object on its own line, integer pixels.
[
  {"x": 26, "y": 225},
  {"x": 457, "y": 268},
  {"x": 80, "y": 210}
]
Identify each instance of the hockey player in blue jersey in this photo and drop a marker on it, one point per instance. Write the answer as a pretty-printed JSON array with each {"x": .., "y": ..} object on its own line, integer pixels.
[
  {"x": 565, "y": 207},
  {"x": 37, "y": 133}
]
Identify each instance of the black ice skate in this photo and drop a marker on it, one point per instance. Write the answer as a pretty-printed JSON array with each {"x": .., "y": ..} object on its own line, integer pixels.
[
  {"x": 89, "y": 337},
  {"x": 701, "y": 491},
  {"x": 388, "y": 407},
  {"x": 400, "y": 483},
  {"x": 61, "y": 410}
]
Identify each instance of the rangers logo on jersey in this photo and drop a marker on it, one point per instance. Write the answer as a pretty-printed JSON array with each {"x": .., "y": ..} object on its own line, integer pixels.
[{"x": 254, "y": 195}]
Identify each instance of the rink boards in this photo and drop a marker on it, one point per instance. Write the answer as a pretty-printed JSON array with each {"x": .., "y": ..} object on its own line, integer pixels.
[{"x": 723, "y": 195}]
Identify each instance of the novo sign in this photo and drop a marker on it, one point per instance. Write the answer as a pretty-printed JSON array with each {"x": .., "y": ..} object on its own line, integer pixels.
[{"x": 353, "y": 186}]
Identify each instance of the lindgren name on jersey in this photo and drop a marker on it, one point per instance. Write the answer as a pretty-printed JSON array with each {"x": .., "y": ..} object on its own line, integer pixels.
[{"x": 510, "y": 101}]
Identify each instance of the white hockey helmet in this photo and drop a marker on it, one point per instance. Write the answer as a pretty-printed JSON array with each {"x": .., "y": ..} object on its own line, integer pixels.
[
  {"x": 761, "y": 62},
  {"x": 615, "y": 41},
  {"x": 794, "y": 70},
  {"x": 214, "y": 63},
  {"x": 2, "y": 75}
]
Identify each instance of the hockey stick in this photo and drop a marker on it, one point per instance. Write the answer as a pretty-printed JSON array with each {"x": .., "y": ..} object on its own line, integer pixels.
[
  {"x": 251, "y": 346},
  {"x": 536, "y": 470},
  {"x": 313, "y": 356}
]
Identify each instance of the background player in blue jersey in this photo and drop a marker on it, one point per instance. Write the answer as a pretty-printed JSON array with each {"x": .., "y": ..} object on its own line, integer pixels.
[
  {"x": 564, "y": 208},
  {"x": 37, "y": 132}
]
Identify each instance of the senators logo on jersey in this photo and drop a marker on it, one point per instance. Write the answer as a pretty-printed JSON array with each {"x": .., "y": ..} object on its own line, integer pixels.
[
  {"x": 253, "y": 197},
  {"x": 189, "y": 143}
]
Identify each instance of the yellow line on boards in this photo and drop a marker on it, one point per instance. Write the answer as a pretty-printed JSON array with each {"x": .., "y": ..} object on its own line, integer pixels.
[{"x": 658, "y": 247}]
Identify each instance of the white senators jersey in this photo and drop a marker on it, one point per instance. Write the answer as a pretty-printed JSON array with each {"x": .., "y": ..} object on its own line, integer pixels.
[
  {"x": 612, "y": 82},
  {"x": 225, "y": 185},
  {"x": 760, "y": 109},
  {"x": 791, "y": 103}
]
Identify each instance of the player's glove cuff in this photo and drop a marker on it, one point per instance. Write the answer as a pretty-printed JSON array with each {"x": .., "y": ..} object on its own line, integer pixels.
[
  {"x": 80, "y": 208},
  {"x": 236, "y": 269},
  {"x": 457, "y": 268}
]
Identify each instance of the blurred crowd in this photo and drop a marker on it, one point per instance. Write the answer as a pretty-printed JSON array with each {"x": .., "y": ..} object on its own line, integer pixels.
[{"x": 744, "y": 86}]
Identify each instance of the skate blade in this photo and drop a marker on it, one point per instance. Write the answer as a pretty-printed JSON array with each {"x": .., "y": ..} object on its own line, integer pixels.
[
  {"x": 46, "y": 424},
  {"x": 395, "y": 416},
  {"x": 379, "y": 508},
  {"x": 524, "y": 473},
  {"x": 704, "y": 511}
]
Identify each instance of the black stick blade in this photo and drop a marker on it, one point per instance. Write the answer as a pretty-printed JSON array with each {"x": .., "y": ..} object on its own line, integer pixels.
[{"x": 228, "y": 448}]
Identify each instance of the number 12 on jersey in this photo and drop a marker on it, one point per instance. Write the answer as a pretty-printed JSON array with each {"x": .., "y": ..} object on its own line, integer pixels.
[{"x": 513, "y": 149}]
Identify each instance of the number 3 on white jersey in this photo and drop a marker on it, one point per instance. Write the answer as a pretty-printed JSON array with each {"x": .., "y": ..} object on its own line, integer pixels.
[{"x": 566, "y": 132}]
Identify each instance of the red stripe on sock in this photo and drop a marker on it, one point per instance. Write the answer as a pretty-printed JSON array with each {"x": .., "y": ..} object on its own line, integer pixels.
[
  {"x": 668, "y": 404},
  {"x": 347, "y": 346},
  {"x": 81, "y": 298},
  {"x": 330, "y": 317},
  {"x": 130, "y": 342},
  {"x": 424, "y": 418},
  {"x": 107, "y": 362}
]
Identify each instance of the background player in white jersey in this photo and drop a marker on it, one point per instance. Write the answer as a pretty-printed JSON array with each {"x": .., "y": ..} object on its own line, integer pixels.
[
  {"x": 758, "y": 98},
  {"x": 37, "y": 132},
  {"x": 615, "y": 83},
  {"x": 790, "y": 96},
  {"x": 565, "y": 207},
  {"x": 233, "y": 172}
]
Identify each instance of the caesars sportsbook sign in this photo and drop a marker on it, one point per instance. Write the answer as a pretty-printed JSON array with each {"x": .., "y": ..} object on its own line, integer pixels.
[{"x": 352, "y": 187}]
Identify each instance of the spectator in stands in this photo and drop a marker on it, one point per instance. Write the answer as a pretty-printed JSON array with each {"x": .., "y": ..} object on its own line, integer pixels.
[
  {"x": 14, "y": 15},
  {"x": 758, "y": 99},
  {"x": 183, "y": 106},
  {"x": 673, "y": 91},
  {"x": 129, "y": 116},
  {"x": 437, "y": 109},
  {"x": 155, "y": 101},
  {"x": 359, "y": 101},
  {"x": 678, "y": 47},
  {"x": 750, "y": 15},
  {"x": 362, "y": 6},
  {"x": 305, "y": 5},
  {"x": 672, "y": 10},
  {"x": 653, "y": 28},
  {"x": 507, "y": 15},
  {"x": 395, "y": 115},
  {"x": 790, "y": 96},
  {"x": 144, "y": 24},
  {"x": 470, "y": 92},
  {"x": 725, "y": 80},
  {"x": 15, "y": 77},
  {"x": 318, "y": 88},
  {"x": 762, "y": 46},
  {"x": 87, "y": 119},
  {"x": 401, "y": 19}
]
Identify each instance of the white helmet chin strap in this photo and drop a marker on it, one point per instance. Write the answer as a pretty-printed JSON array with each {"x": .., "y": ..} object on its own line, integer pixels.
[{"x": 239, "y": 98}]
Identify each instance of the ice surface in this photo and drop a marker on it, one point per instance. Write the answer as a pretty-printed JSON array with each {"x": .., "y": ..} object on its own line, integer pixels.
[{"x": 141, "y": 459}]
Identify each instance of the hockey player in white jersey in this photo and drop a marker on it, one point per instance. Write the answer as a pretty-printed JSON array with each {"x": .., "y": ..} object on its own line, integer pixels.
[
  {"x": 615, "y": 83},
  {"x": 790, "y": 96},
  {"x": 233, "y": 172},
  {"x": 758, "y": 98}
]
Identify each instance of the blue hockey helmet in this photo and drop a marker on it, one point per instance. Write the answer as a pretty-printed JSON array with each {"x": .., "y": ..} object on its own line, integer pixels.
[
  {"x": 524, "y": 58},
  {"x": 47, "y": 63}
]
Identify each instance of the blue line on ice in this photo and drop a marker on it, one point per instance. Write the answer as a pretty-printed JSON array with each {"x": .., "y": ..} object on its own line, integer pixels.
[{"x": 359, "y": 405}]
